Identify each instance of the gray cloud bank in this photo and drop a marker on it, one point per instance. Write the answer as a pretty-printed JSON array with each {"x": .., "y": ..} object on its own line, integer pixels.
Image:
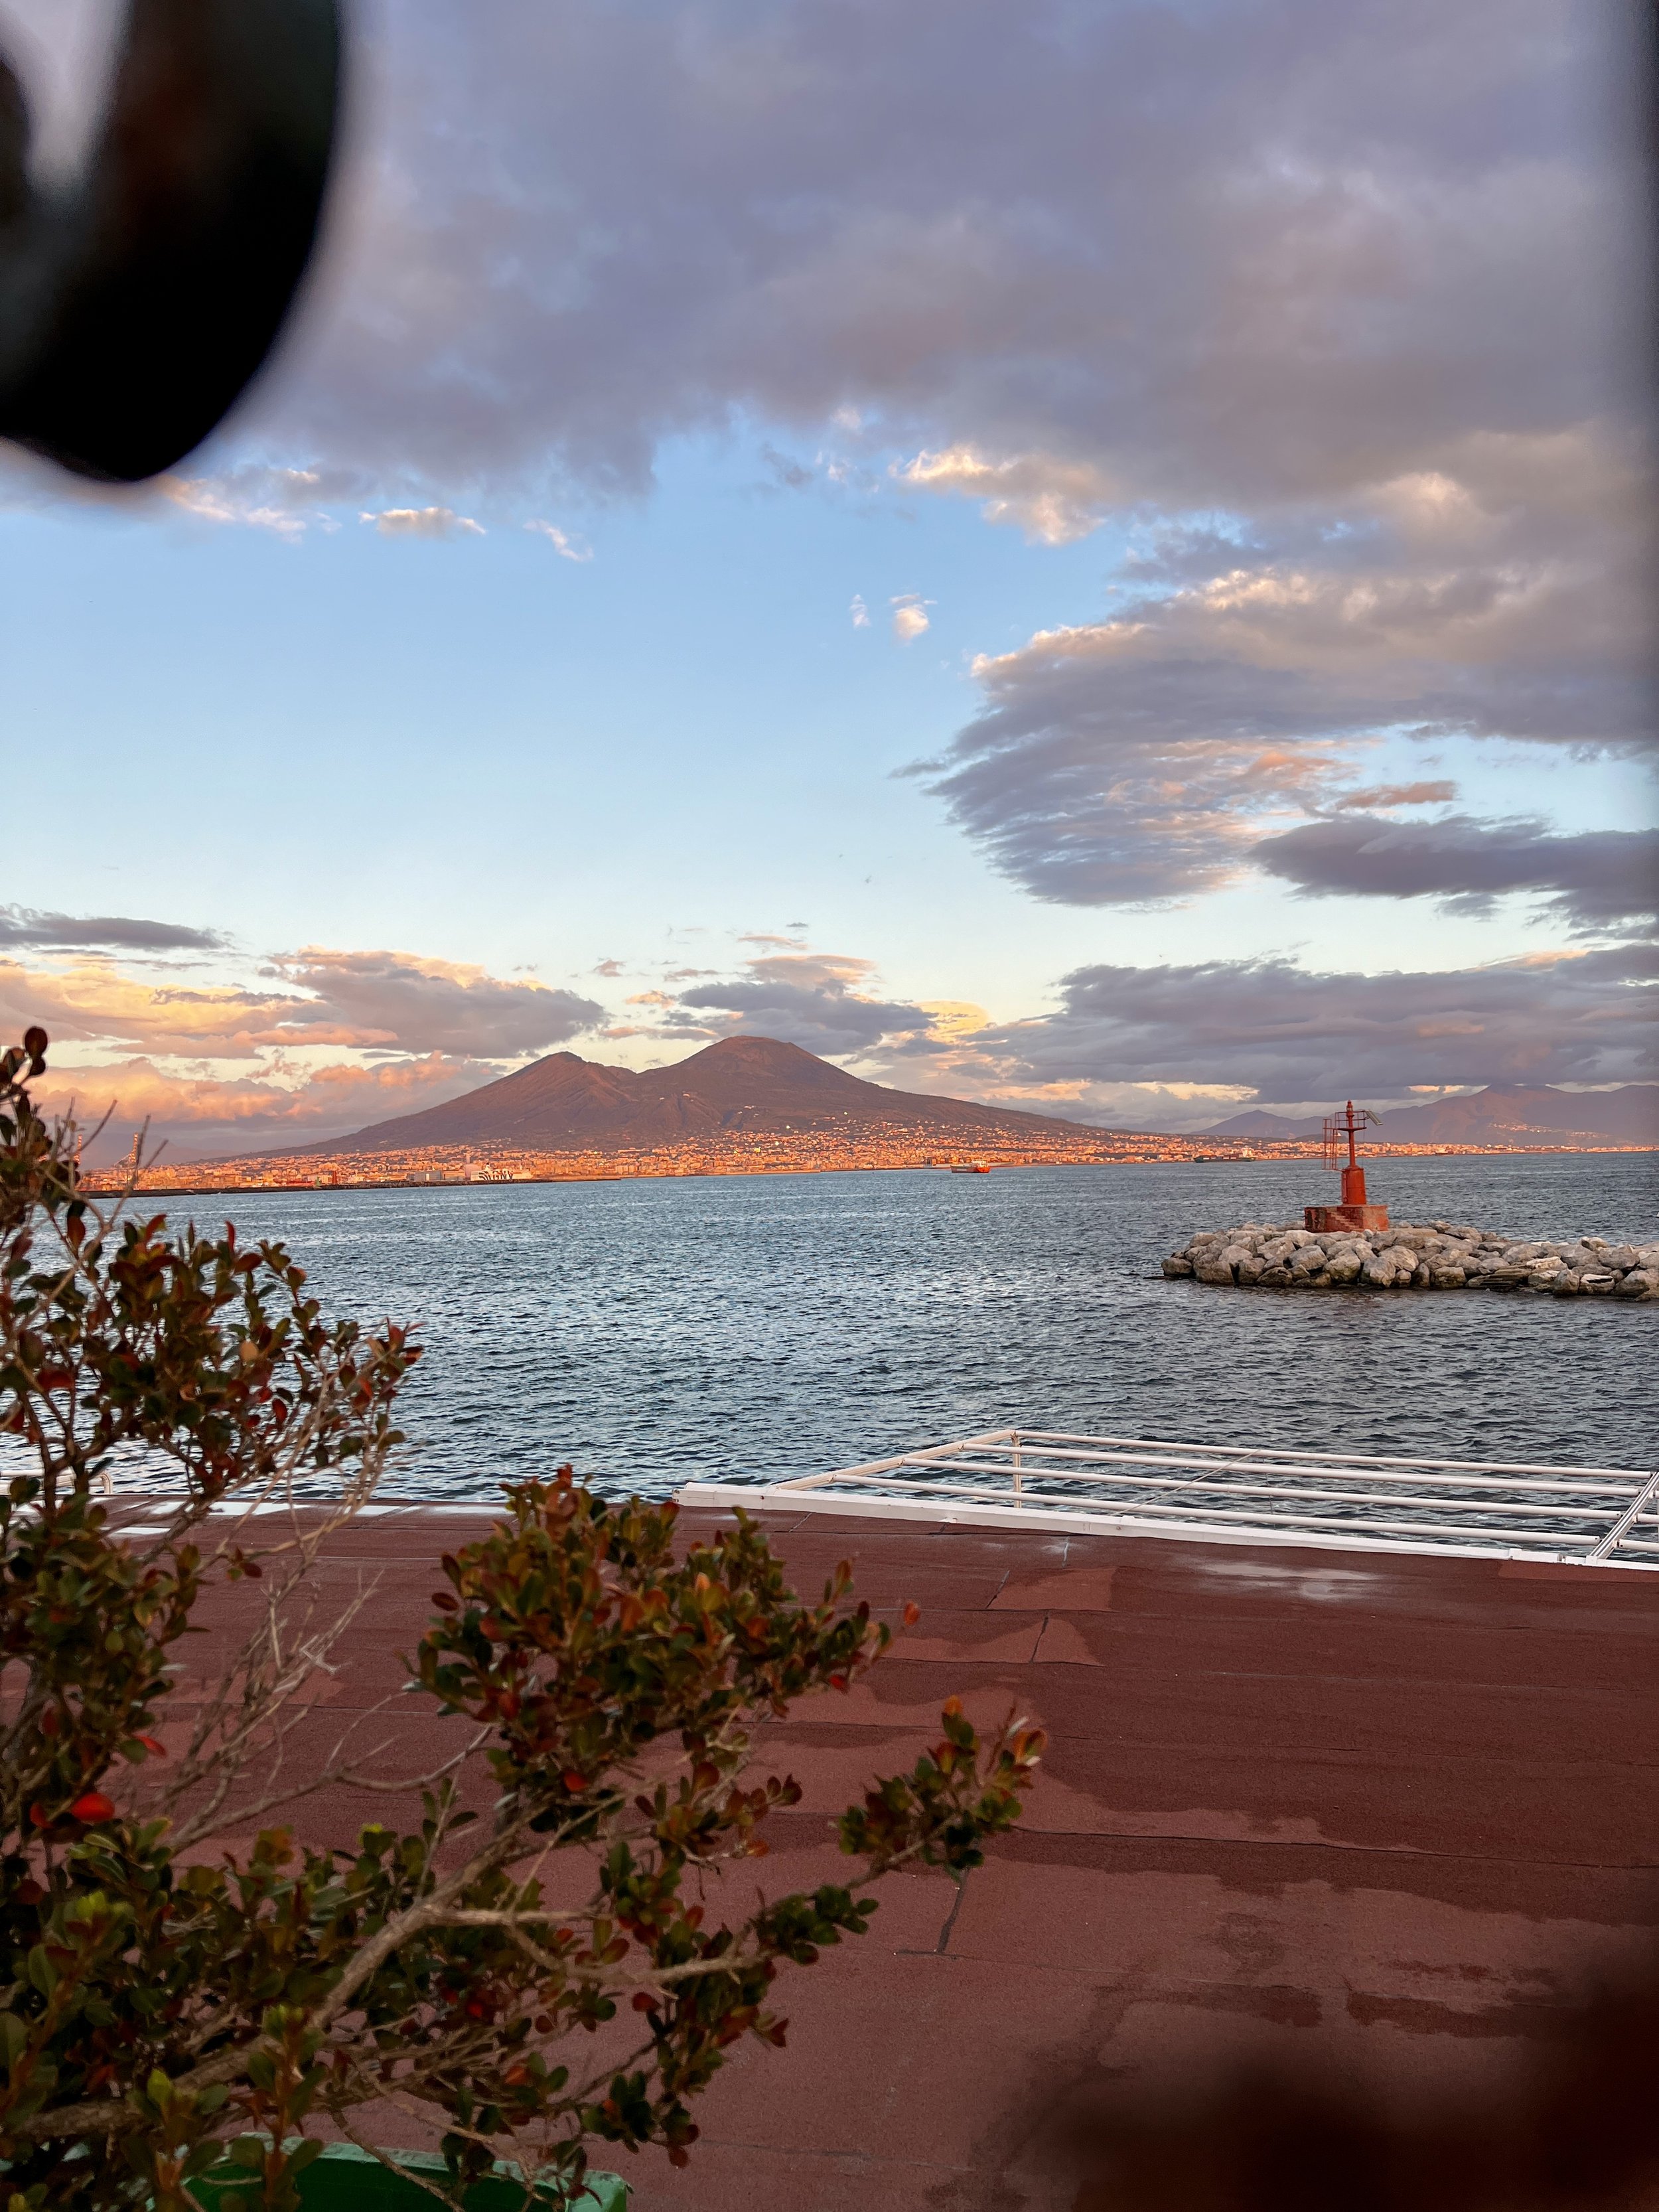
[
  {"x": 1283, "y": 1033},
  {"x": 818, "y": 1001},
  {"x": 400, "y": 1002},
  {"x": 377, "y": 1003},
  {"x": 1258, "y": 251},
  {"x": 26, "y": 927},
  {"x": 1261, "y": 252},
  {"x": 1293, "y": 1035},
  {"x": 1498, "y": 590},
  {"x": 1597, "y": 879}
]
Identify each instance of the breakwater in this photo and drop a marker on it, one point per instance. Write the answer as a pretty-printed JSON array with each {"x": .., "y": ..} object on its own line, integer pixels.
[{"x": 1437, "y": 1255}]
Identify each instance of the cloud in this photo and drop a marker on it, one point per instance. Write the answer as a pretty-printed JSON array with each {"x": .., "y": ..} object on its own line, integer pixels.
[
  {"x": 116, "y": 932},
  {"x": 949, "y": 1018},
  {"x": 1272, "y": 1032},
  {"x": 432, "y": 522},
  {"x": 1175, "y": 1045},
  {"x": 1053, "y": 501},
  {"x": 208, "y": 502},
  {"x": 1099, "y": 773},
  {"x": 1259, "y": 286},
  {"x": 289, "y": 501},
  {"x": 405, "y": 1002},
  {"x": 819, "y": 1000},
  {"x": 1265, "y": 248},
  {"x": 203, "y": 1117},
  {"x": 789, "y": 474},
  {"x": 1597, "y": 879},
  {"x": 1396, "y": 794},
  {"x": 373, "y": 1002},
  {"x": 909, "y": 615},
  {"x": 1129, "y": 757},
  {"x": 92, "y": 1001},
  {"x": 567, "y": 548},
  {"x": 1119, "y": 256},
  {"x": 860, "y": 612},
  {"x": 232, "y": 1067}
]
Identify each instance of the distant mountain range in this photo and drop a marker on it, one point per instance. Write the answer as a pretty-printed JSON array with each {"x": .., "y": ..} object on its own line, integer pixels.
[
  {"x": 1542, "y": 1117},
  {"x": 747, "y": 1084},
  {"x": 1258, "y": 1122},
  {"x": 758, "y": 1087}
]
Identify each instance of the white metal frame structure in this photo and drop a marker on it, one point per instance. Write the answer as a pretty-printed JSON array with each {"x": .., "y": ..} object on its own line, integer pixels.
[{"x": 1046, "y": 1479}]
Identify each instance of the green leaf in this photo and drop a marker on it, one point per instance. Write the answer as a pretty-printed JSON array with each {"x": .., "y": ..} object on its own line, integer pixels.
[{"x": 584, "y": 1639}]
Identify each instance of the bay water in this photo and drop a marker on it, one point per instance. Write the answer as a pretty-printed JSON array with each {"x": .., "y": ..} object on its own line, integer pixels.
[{"x": 755, "y": 1327}]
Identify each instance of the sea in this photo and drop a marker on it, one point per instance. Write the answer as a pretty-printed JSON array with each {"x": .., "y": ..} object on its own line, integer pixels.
[{"x": 756, "y": 1327}]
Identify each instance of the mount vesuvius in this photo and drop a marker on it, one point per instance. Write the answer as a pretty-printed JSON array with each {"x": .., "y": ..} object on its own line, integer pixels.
[{"x": 741, "y": 1085}]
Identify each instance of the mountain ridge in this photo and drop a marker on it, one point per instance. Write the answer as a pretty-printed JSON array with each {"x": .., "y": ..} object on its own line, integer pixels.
[
  {"x": 564, "y": 1103},
  {"x": 760, "y": 1087},
  {"x": 1538, "y": 1114}
]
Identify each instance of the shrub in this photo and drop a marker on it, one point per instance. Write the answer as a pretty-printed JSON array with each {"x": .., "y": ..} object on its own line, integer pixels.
[{"x": 161, "y": 1994}]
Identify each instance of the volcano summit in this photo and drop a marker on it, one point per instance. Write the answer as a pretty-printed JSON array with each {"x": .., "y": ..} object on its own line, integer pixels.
[{"x": 742, "y": 1087}]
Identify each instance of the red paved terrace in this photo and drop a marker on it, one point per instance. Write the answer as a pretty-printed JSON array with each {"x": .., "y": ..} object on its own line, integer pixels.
[{"x": 1391, "y": 1811}]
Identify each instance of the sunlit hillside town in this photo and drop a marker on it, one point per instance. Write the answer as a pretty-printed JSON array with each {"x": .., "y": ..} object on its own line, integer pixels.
[{"x": 812, "y": 1152}]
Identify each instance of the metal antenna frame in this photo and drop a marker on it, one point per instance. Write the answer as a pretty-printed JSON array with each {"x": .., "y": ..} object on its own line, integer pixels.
[{"x": 1345, "y": 1125}]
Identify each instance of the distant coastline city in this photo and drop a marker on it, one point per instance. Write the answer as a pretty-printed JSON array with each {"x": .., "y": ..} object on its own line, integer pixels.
[
  {"x": 755, "y": 1106},
  {"x": 351, "y": 1170}
]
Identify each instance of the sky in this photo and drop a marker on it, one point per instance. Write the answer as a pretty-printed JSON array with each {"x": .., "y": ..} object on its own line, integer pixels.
[{"x": 1090, "y": 555}]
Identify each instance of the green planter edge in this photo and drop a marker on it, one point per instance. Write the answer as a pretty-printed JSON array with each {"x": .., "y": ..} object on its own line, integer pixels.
[{"x": 347, "y": 2179}]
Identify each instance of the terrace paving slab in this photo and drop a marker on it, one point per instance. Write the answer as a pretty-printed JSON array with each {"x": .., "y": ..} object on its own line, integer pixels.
[{"x": 1397, "y": 1812}]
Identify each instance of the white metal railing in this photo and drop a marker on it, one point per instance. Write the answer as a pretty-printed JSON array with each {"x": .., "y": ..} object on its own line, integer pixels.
[{"x": 1046, "y": 1479}]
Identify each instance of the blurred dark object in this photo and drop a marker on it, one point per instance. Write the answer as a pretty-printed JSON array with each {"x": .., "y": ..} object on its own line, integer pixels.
[
  {"x": 1578, "y": 2129},
  {"x": 137, "y": 305}
]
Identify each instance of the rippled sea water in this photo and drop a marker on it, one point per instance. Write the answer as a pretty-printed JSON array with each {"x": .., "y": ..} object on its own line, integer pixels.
[{"x": 764, "y": 1326}]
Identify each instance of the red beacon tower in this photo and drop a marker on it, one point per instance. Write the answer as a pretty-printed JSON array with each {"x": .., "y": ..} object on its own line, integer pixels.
[{"x": 1342, "y": 1129}]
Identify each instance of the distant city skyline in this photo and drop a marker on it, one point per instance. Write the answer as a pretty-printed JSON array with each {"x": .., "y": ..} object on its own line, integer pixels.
[{"x": 1093, "y": 561}]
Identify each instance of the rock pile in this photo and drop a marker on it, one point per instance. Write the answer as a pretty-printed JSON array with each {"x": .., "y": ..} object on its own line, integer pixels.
[{"x": 1439, "y": 1256}]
